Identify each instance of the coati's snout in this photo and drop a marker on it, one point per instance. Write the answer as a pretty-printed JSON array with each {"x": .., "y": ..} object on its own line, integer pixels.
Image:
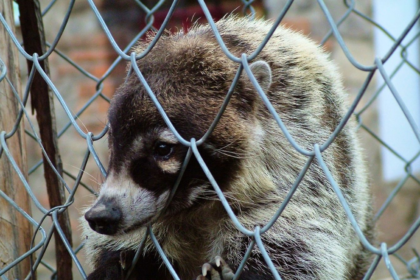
[
  {"x": 104, "y": 217},
  {"x": 123, "y": 205}
]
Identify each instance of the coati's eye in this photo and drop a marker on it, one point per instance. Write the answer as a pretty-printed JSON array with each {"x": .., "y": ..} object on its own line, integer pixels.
[{"x": 163, "y": 150}]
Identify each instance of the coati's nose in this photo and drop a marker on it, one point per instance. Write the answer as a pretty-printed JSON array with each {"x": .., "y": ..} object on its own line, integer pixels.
[{"x": 104, "y": 217}]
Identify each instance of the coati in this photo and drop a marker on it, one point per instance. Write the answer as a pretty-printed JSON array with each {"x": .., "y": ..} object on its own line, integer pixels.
[{"x": 248, "y": 155}]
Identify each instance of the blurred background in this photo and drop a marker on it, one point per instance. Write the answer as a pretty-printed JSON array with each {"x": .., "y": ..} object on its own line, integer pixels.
[{"x": 390, "y": 146}]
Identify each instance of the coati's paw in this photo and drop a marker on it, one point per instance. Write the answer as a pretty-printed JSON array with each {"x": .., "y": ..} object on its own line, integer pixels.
[{"x": 217, "y": 270}]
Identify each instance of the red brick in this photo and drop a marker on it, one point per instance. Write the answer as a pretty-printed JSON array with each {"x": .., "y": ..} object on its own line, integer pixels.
[
  {"x": 87, "y": 89},
  {"x": 94, "y": 41},
  {"x": 82, "y": 55},
  {"x": 298, "y": 24},
  {"x": 99, "y": 69},
  {"x": 66, "y": 69},
  {"x": 103, "y": 106}
]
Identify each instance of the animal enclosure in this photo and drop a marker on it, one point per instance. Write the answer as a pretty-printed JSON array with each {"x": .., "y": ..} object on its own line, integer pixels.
[{"x": 52, "y": 216}]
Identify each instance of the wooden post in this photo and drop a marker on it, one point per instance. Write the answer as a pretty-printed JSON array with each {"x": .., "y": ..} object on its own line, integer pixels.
[
  {"x": 15, "y": 230},
  {"x": 43, "y": 103}
]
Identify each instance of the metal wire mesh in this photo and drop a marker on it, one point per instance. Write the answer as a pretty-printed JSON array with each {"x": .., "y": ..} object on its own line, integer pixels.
[{"x": 383, "y": 251}]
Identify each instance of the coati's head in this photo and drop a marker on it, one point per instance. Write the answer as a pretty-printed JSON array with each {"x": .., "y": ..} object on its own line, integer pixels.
[{"x": 190, "y": 77}]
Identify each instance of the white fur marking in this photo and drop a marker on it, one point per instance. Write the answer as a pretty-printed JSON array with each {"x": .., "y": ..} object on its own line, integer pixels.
[
  {"x": 137, "y": 144},
  {"x": 161, "y": 201},
  {"x": 168, "y": 137},
  {"x": 170, "y": 166},
  {"x": 136, "y": 203}
]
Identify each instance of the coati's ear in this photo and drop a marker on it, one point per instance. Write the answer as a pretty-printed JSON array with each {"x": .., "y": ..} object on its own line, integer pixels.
[{"x": 262, "y": 73}]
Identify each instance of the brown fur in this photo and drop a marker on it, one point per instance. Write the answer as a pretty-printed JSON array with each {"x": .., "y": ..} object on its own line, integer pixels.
[{"x": 248, "y": 155}]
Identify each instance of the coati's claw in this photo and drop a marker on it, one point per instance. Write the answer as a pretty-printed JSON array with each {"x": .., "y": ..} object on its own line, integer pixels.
[
  {"x": 218, "y": 260},
  {"x": 218, "y": 270},
  {"x": 123, "y": 259},
  {"x": 206, "y": 267}
]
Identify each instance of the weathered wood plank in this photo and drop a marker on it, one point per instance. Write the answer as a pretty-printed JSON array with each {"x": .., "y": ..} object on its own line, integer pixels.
[{"x": 16, "y": 231}]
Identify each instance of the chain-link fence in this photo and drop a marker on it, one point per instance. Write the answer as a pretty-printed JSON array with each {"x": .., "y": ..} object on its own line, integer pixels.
[{"x": 39, "y": 83}]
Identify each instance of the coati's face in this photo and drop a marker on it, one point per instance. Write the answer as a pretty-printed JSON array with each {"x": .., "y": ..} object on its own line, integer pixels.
[
  {"x": 145, "y": 161},
  {"x": 146, "y": 157},
  {"x": 139, "y": 180}
]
